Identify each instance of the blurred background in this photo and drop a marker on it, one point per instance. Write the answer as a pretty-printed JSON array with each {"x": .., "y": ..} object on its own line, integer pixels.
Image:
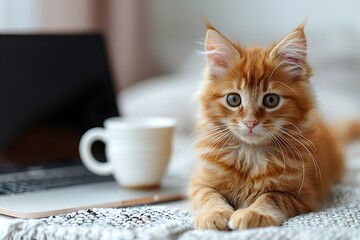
[{"x": 154, "y": 45}]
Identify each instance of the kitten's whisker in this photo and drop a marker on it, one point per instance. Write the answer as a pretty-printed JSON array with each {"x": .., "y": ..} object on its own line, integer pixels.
[
  {"x": 289, "y": 143},
  {"x": 275, "y": 140},
  {"x": 293, "y": 147},
  {"x": 215, "y": 135},
  {"x": 298, "y": 134},
  {"x": 307, "y": 141},
  {"x": 206, "y": 132},
  {"x": 301, "y": 143},
  {"x": 292, "y": 125},
  {"x": 214, "y": 147},
  {"x": 200, "y": 136},
  {"x": 278, "y": 135},
  {"x": 289, "y": 146},
  {"x": 313, "y": 157},
  {"x": 214, "y": 144},
  {"x": 203, "y": 130}
]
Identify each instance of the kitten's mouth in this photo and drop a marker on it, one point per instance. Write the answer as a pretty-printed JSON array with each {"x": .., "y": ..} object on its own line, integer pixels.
[
  {"x": 251, "y": 133},
  {"x": 251, "y": 137}
]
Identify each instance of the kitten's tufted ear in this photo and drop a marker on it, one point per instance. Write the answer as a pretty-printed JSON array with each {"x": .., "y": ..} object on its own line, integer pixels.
[
  {"x": 220, "y": 52},
  {"x": 291, "y": 51}
]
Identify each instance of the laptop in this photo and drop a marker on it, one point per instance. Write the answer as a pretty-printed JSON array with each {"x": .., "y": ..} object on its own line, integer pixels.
[{"x": 53, "y": 88}]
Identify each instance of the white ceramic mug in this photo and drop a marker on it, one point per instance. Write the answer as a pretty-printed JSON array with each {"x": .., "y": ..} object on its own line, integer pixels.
[{"x": 137, "y": 149}]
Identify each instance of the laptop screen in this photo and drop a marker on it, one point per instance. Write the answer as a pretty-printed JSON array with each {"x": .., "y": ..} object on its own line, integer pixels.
[{"x": 53, "y": 88}]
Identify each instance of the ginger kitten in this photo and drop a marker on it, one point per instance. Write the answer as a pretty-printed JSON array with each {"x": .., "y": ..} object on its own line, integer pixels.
[{"x": 266, "y": 155}]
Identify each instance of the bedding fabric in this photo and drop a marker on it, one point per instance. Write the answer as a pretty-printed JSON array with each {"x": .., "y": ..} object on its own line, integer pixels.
[{"x": 339, "y": 220}]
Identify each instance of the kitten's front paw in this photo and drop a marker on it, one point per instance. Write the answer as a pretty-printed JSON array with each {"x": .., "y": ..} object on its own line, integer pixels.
[
  {"x": 213, "y": 219},
  {"x": 251, "y": 218}
]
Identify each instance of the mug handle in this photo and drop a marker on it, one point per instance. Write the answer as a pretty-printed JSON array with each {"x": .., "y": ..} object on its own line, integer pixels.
[{"x": 87, "y": 140}]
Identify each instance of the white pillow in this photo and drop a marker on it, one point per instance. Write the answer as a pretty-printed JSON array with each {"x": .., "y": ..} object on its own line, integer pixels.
[{"x": 167, "y": 95}]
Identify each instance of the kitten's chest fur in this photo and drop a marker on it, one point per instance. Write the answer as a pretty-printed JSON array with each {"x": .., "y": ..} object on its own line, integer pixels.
[{"x": 253, "y": 171}]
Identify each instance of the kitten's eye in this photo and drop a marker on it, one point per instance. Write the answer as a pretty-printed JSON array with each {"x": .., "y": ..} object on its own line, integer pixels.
[
  {"x": 233, "y": 99},
  {"x": 271, "y": 100}
]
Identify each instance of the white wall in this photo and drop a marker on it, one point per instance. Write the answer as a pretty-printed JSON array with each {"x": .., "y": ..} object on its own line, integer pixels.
[
  {"x": 48, "y": 15},
  {"x": 17, "y": 15},
  {"x": 178, "y": 25}
]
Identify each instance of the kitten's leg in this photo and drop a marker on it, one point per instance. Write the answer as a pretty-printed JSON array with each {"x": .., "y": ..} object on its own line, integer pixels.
[
  {"x": 212, "y": 209},
  {"x": 270, "y": 209}
]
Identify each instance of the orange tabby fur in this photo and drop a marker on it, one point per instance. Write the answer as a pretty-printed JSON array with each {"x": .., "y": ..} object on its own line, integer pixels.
[{"x": 245, "y": 181}]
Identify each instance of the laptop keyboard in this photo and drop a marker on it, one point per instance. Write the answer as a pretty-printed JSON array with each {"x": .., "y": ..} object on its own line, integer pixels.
[{"x": 34, "y": 182}]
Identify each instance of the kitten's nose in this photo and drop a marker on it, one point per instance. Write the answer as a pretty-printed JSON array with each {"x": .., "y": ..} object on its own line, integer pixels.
[{"x": 251, "y": 123}]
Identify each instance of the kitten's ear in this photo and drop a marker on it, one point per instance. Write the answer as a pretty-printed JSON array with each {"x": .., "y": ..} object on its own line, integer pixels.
[
  {"x": 291, "y": 51},
  {"x": 220, "y": 52}
]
